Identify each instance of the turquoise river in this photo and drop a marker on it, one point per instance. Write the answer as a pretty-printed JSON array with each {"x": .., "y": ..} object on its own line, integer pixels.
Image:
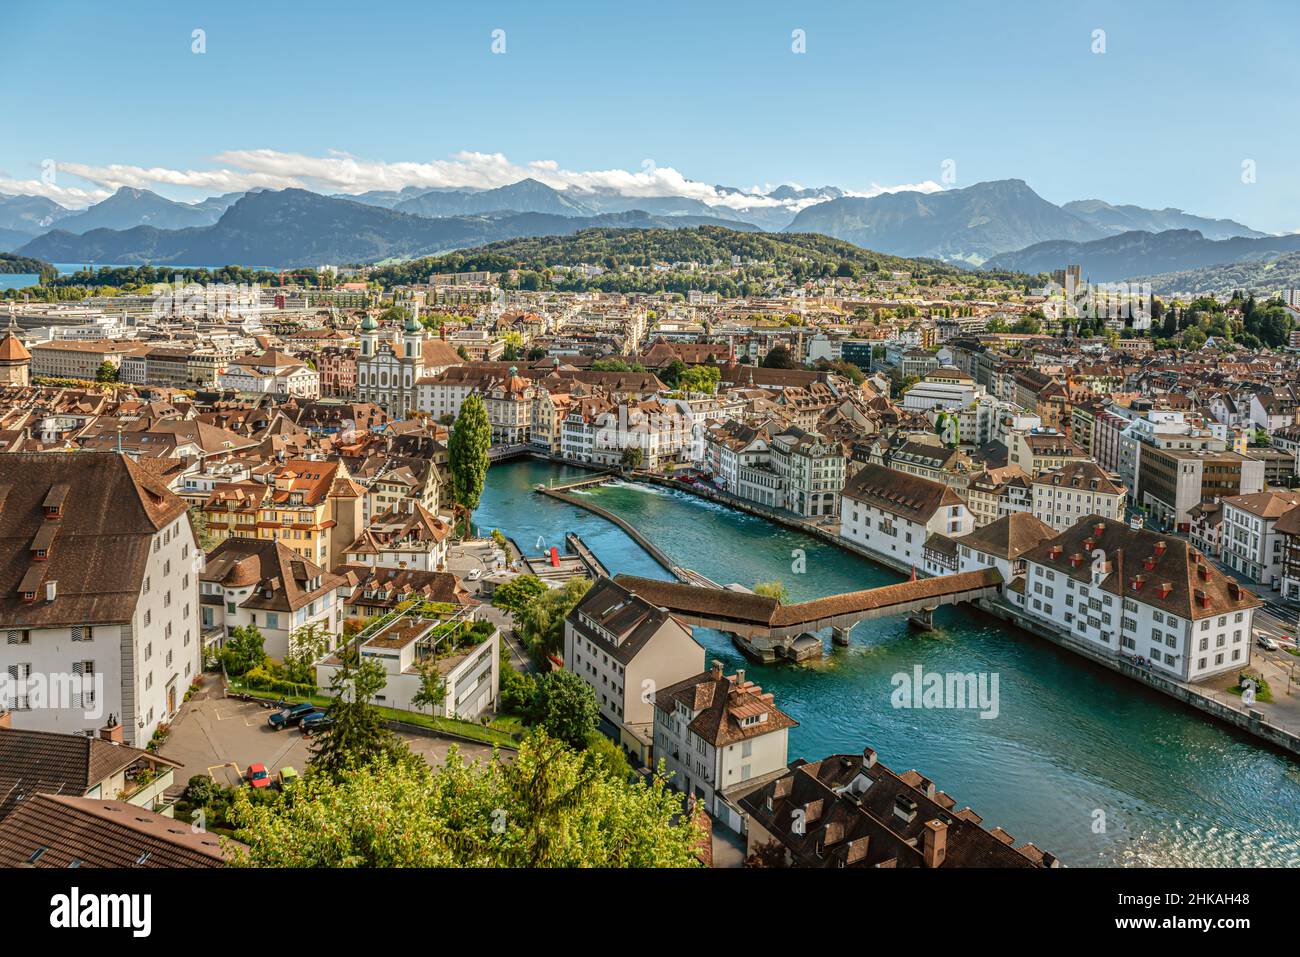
[{"x": 1081, "y": 761}]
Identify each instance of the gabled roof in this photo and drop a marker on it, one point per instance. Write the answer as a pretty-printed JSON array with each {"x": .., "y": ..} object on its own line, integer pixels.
[
  {"x": 724, "y": 707},
  {"x": 908, "y": 496},
  {"x": 1159, "y": 570},
  {"x": 1010, "y": 536},
  {"x": 619, "y": 611},
  {"x": 1084, "y": 476},
  {"x": 100, "y": 540},
  {"x": 33, "y": 762},
  {"x": 282, "y": 577},
  {"x": 58, "y": 831}
]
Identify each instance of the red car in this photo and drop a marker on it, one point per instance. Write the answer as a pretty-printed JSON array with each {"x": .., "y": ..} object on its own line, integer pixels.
[{"x": 258, "y": 776}]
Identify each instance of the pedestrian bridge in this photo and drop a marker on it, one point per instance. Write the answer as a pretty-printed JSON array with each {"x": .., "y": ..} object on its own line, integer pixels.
[{"x": 751, "y": 616}]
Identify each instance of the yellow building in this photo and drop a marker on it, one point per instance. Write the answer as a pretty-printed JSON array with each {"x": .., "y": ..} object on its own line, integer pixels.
[{"x": 313, "y": 508}]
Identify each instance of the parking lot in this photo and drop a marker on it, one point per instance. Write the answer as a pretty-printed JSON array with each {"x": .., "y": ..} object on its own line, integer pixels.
[{"x": 221, "y": 737}]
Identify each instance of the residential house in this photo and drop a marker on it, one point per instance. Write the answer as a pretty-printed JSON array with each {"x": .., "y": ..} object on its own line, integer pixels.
[
  {"x": 1145, "y": 596},
  {"x": 98, "y": 594},
  {"x": 263, "y": 584},
  {"x": 717, "y": 734},
  {"x": 891, "y": 514},
  {"x": 621, "y": 645}
]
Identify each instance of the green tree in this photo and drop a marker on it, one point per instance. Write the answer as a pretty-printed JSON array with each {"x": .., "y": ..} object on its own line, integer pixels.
[
  {"x": 700, "y": 379},
  {"x": 516, "y": 595},
  {"x": 564, "y": 706},
  {"x": 306, "y": 645},
  {"x": 549, "y": 807},
  {"x": 203, "y": 536},
  {"x": 244, "y": 650},
  {"x": 671, "y": 374},
  {"x": 107, "y": 372},
  {"x": 632, "y": 457},
  {"x": 779, "y": 357},
  {"x": 467, "y": 454},
  {"x": 541, "y": 623},
  {"x": 358, "y": 735},
  {"x": 608, "y": 756},
  {"x": 433, "y": 686}
]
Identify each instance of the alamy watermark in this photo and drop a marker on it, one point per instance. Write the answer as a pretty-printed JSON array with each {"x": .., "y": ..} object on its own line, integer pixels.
[{"x": 953, "y": 690}]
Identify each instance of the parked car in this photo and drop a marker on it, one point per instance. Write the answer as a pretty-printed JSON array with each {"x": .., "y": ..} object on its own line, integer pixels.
[
  {"x": 317, "y": 721},
  {"x": 288, "y": 776},
  {"x": 258, "y": 776},
  {"x": 290, "y": 716},
  {"x": 474, "y": 575},
  {"x": 1265, "y": 642}
]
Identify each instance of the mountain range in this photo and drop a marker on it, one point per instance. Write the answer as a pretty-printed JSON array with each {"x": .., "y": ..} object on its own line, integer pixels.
[
  {"x": 295, "y": 227},
  {"x": 976, "y": 223},
  {"x": 1002, "y": 223},
  {"x": 1137, "y": 253}
]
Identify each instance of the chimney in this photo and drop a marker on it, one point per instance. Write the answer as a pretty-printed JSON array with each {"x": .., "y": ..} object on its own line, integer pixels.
[
  {"x": 740, "y": 677},
  {"x": 1089, "y": 544},
  {"x": 868, "y": 757},
  {"x": 51, "y": 590},
  {"x": 1099, "y": 529},
  {"x": 1160, "y": 547},
  {"x": 716, "y": 670},
  {"x": 935, "y": 845},
  {"x": 1234, "y": 590},
  {"x": 112, "y": 732}
]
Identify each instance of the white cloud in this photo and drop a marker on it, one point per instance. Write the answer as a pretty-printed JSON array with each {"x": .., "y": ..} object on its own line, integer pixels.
[
  {"x": 340, "y": 172},
  {"x": 70, "y": 196}
]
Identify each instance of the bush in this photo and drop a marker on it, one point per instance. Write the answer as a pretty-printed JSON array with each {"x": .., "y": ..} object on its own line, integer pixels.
[
  {"x": 272, "y": 679},
  {"x": 202, "y": 791}
]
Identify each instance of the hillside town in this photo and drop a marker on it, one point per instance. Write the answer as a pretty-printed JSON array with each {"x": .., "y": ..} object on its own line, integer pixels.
[{"x": 208, "y": 511}]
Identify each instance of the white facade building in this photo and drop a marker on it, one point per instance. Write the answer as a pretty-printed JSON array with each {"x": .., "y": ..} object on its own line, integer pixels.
[{"x": 99, "y": 605}]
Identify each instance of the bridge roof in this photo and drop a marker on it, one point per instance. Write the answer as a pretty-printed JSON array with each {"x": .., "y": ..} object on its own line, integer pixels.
[
  {"x": 706, "y": 602},
  {"x": 759, "y": 610}
]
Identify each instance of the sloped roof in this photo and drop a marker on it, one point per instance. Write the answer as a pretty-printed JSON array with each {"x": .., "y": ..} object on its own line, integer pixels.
[
  {"x": 48, "y": 762},
  {"x": 909, "y": 496},
  {"x": 1197, "y": 589},
  {"x": 57, "y": 830},
  {"x": 12, "y": 350},
  {"x": 1010, "y": 536},
  {"x": 111, "y": 509}
]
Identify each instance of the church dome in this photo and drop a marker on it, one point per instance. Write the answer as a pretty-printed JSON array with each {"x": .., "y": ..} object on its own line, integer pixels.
[{"x": 368, "y": 324}]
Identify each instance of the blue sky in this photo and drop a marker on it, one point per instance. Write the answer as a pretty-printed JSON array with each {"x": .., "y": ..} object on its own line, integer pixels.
[{"x": 886, "y": 92}]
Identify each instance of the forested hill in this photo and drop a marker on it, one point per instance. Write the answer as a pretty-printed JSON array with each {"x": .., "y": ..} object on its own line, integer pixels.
[
  {"x": 629, "y": 254},
  {"x": 24, "y": 265}
]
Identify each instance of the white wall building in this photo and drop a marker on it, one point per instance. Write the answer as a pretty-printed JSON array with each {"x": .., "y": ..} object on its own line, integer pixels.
[
  {"x": 98, "y": 605},
  {"x": 892, "y": 514},
  {"x": 715, "y": 732},
  {"x": 1145, "y": 596}
]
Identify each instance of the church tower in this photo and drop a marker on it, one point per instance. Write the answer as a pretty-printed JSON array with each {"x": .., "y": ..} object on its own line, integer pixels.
[
  {"x": 412, "y": 337},
  {"x": 15, "y": 360},
  {"x": 369, "y": 336}
]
